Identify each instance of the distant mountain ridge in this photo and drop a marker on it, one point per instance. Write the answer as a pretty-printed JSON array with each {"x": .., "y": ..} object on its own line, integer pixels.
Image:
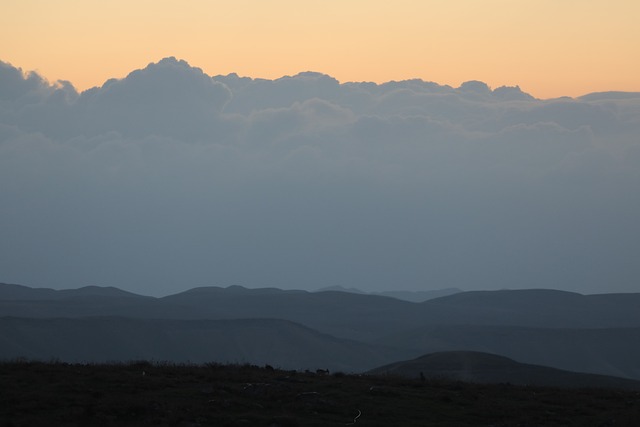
[
  {"x": 419, "y": 296},
  {"x": 411, "y": 296},
  {"x": 20, "y": 292},
  {"x": 528, "y": 308},
  {"x": 591, "y": 333}
]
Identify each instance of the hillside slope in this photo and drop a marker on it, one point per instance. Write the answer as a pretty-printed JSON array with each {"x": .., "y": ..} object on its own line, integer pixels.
[
  {"x": 485, "y": 368},
  {"x": 258, "y": 341},
  {"x": 605, "y": 351},
  {"x": 366, "y": 318}
]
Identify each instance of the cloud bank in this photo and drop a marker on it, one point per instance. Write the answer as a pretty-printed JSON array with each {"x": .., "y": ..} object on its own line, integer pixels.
[{"x": 170, "y": 178}]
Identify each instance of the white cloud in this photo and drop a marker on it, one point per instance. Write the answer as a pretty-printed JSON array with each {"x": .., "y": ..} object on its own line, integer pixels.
[{"x": 169, "y": 179}]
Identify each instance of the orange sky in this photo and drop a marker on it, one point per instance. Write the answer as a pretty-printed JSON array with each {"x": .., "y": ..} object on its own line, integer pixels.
[{"x": 548, "y": 47}]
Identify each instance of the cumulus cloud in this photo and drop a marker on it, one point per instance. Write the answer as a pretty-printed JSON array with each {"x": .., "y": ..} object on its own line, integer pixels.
[{"x": 170, "y": 178}]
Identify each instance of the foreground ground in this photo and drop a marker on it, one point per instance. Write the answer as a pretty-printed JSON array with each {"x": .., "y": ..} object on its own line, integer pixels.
[{"x": 143, "y": 394}]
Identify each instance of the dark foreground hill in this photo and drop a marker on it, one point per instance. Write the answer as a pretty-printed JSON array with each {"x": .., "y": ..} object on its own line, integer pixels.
[
  {"x": 605, "y": 351},
  {"x": 143, "y": 394},
  {"x": 485, "y": 368}
]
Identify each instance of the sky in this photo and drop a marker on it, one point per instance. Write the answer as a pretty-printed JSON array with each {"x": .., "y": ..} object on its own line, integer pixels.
[
  {"x": 550, "y": 48},
  {"x": 130, "y": 156}
]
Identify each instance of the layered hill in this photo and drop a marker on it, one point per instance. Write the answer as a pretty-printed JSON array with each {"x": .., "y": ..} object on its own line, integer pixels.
[
  {"x": 598, "y": 334},
  {"x": 10, "y": 292},
  {"x": 279, "y": 343},
  {"x": 354, "y": 316}
]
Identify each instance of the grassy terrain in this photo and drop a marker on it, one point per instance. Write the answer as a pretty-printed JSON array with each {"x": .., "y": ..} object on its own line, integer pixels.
[{"x": 139, "y": 394}]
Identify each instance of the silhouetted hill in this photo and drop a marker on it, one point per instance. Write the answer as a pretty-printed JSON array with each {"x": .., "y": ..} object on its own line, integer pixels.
[
  {"x": 342, "y": 314},
  {"x": 354, "y": 316},
  {"x": 411, "y": 296},
  {"x": 588, "y": 333},
  {"x": 419, "y": 296},
  {"x": 338, "y": 288},
  {"x": 605, "y": 351},
  {"x": 478, "y": 367},
  {"x": 358, "y": 316},
  {"x": 258, "y": 341},
  {"x": 19, "y": 292},
  {"x": 536, "y": 308},
  {"x": 230, "y": 291}
]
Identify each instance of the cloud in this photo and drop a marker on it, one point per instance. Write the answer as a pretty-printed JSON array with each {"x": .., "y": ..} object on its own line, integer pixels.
[
  {"x": 167, "y": 98},
  {"x": 15, "y": 86},
  {"x": 170, "y": 178}
]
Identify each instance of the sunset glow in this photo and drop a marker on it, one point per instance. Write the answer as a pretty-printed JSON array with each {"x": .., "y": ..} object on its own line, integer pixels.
[{"x": 549, "y": 48}]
